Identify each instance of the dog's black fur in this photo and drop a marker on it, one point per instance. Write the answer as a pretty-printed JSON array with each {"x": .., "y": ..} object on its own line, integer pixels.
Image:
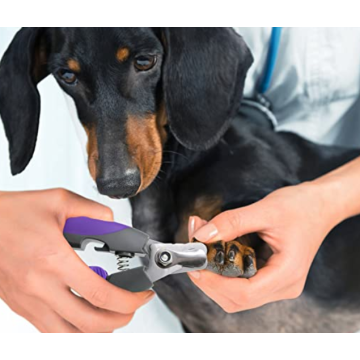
[{"x": 208, "y": 152}]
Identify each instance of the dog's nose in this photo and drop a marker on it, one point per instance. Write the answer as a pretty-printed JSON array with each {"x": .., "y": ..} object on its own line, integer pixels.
[{"x": 121, "y": 186}]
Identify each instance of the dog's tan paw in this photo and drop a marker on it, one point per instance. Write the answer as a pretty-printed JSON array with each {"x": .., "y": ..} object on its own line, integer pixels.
[{"x": 231, "y": 259}]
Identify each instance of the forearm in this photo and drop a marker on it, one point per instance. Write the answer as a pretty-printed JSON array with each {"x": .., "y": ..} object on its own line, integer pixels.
[{"x": 340, "y": 191}]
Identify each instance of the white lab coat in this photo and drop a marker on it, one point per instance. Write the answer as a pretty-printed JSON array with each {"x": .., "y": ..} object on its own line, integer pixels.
[{"x": 316, "y": 82}]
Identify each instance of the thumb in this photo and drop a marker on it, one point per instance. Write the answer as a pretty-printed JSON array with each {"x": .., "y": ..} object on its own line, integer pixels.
[
  {"x": 76, "y": 205},
  {"x": 233, "y": 223},
  {"x": 195, "y": 223}
]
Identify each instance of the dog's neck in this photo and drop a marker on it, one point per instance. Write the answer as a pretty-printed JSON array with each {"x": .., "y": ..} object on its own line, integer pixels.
[{"x": 178, "y": 160}]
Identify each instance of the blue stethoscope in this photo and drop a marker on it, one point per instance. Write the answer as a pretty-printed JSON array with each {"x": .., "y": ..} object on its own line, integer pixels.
[{"x": 258, "y": 109}]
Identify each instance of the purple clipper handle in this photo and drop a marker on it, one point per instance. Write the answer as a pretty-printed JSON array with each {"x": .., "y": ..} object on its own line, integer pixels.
[
  {"x": 100, "y": 271},
  {"x": 87, "y": 226},
  {"x": 116, "y": 237}
]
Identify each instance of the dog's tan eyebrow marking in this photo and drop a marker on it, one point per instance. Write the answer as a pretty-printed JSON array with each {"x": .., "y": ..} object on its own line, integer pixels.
[
  {"x": 122, "y": 54},
  {"x": 73, "y": 65}
]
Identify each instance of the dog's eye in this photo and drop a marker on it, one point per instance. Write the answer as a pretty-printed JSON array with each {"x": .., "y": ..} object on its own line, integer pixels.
[
  {"x": 145, "y": 62},
  {"x": 67, "y": 76}
]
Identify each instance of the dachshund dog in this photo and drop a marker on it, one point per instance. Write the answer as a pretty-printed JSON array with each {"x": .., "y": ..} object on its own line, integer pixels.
[{"x": 160, "y": 108}]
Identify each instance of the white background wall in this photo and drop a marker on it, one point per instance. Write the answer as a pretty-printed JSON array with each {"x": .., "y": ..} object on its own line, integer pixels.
[{"x": 59, "y": 161}]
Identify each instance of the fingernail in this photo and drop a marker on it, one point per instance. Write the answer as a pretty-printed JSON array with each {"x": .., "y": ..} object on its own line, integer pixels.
[
  {"x": 195, "y": 274},
  {"x": 206, "y": 233},
  {"x": 191, "y": 228}
]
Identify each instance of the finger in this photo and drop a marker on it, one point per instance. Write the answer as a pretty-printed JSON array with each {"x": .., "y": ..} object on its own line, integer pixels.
[
  {"x": 194, "y": 224},
  {"x": 80, "y": 206},
  {"x": 233, "y": 223},
  {"x": 271, "y": 280},
  {"x": 223, "y": 292},
  {"x": 266, "y": 286},
  {"x": 45, "y": 319},
  {"x": 100, "y": 292},
  {"x": 222, "y": 300},
  {"x": 51, "y": 322},
  {"x": 84, "y": 315},
  {"x": 263, "y": 284},
  {"x": 73, "y": 205}
]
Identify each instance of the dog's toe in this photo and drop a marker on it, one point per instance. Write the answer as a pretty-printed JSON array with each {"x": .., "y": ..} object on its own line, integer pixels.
[{"x": 216, "y": 257}]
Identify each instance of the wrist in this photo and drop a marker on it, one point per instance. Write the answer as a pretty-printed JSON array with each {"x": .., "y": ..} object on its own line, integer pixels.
[{"x": 329, "y": 192}]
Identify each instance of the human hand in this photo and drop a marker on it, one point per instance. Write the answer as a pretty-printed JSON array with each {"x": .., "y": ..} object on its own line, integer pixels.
[
  {"x": 293, "y": 221},
  {"x": 38, "y": 267}
]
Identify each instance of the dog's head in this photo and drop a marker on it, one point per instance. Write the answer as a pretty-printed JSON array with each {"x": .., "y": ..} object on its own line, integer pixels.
[{"x": 131, "y": 86}]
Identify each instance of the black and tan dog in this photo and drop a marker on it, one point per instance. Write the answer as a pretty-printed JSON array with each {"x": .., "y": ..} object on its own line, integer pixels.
[{"x": 159, "y": 106}]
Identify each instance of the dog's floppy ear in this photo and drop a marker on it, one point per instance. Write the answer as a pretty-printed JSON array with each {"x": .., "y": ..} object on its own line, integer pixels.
[
  {"x": 203, "y": 80},
  {"x": 22, "y": 67}
]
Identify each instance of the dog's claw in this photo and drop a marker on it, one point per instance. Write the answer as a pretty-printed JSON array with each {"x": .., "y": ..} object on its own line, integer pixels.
[
  {"x": 250, "y": 266},
  {"x": 220, "y": 257}
]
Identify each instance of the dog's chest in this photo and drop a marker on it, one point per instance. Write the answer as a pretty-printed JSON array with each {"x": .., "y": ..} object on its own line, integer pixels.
[{"x": 154, "y": 214}]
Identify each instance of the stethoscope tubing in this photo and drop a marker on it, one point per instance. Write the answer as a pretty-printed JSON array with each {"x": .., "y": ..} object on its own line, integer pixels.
[{"x": 270, "y": 60}]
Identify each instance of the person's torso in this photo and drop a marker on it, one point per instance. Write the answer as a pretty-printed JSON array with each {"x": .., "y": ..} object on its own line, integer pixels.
[{"x": 316, "y": 82}]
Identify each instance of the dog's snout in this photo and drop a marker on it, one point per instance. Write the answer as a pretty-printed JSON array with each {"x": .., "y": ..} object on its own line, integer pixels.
[{"x": 123, "y": 185}]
